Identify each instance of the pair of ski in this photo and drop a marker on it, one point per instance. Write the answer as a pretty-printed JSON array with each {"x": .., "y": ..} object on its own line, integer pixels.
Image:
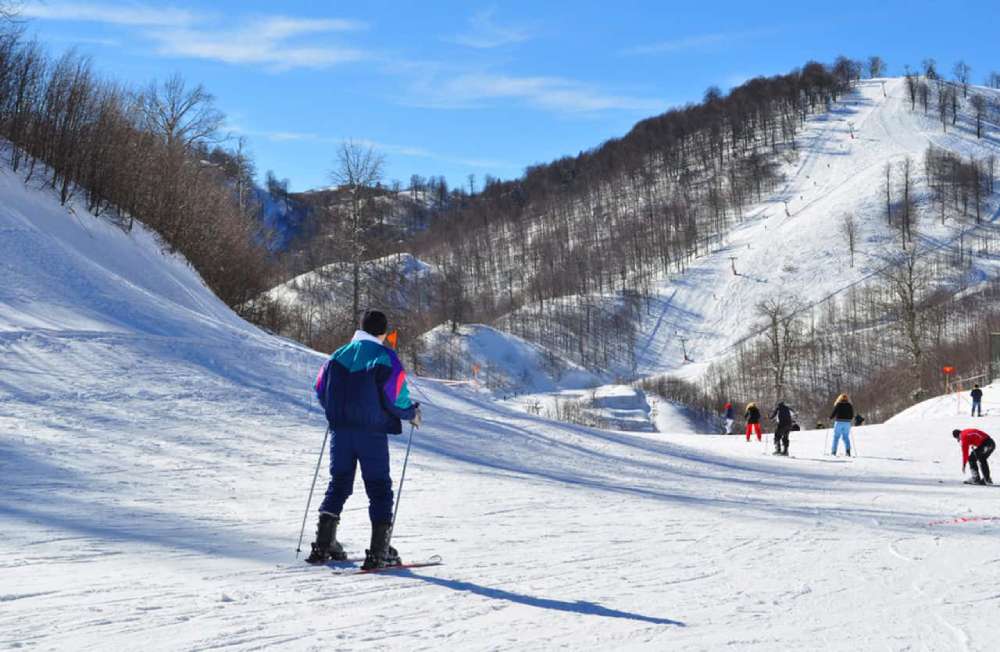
[{"x": 434, "y": 560}]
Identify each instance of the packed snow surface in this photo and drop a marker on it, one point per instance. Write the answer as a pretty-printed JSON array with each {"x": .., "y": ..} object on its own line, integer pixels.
[
  {"x": 501, "y": 362},
  {"x": 329, "y": 289},
  {"x": 955, "y": 403},
  {"x": 157, "y": 451}
]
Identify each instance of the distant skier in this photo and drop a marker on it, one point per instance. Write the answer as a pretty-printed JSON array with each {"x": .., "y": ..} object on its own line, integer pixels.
[
  {"x": 363, "y": 390},
  {"x": 752, "y": 415},
  {"x": 729, "y": 415},
  {"x": 785, "y": 417},
  {"x": 977, "y": 401},
  {"x": 981, "y": 446},
  {"x": 843, "y": 417}
]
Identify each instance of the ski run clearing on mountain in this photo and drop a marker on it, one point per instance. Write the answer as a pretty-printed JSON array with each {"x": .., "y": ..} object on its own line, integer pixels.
[
  {"x": 157, "y": 453},
  {"x": 803, "y": 253}
]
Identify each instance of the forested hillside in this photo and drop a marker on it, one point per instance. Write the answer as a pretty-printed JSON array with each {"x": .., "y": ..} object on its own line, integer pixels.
[
  {"x": 547, "y": 250},
  {"x": 800, "y": 234},
  {"x": 154, "y": 154},
  {"x": 797, "y": 235}
]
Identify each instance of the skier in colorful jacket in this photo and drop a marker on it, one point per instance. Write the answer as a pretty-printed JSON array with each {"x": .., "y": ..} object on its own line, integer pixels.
[
  {"x": 982, "y": 446},
  {"x": 362, "y": 388}
]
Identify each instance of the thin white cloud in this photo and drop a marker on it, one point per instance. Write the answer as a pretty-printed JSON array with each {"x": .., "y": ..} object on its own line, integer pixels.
[
  {"x": 86, "y": 40},
  {"x": 696, "y": 42},
  {"x": 420, "y": 152},
  {"x": 269, "y": 42},
  {"x": 408, "y": 151},
  {"x": 678, "y": 45},
  {"x": 485, "y": 33},
  {"x": 274, "y": 42},
  {"x": 557, "y": 94},
  {"x": 117, "y": 14}
]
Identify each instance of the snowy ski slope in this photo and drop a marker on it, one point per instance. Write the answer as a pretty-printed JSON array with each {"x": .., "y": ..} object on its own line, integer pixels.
[
  {"x": 803, "y": 253},
  {"x": 156, "y": 452}
]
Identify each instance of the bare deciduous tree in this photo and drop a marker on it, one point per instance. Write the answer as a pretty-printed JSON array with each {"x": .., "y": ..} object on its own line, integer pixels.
[
  {"x": 908, "y": 207},
  {"x": 930, "y": 68},
  {"x": 909, "y": 279},
  {"x": 180, "y": 115},
  {"x": 849, "y": 228},
  {"x": 944, "y": 104},
  {"x": 358, "y": 172},
  {"x": 876, "y": 66},
  {"x": 888, "y": 193},
  {"x": 979, "y": 106},
  {"x": 962, "y": 73},
  {"x": 912, "y": 84},
  {"x": 780, "y": 329}
]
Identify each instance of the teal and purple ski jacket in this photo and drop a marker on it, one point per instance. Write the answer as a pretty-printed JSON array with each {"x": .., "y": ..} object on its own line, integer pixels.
[{"x": 363, "y": 387}]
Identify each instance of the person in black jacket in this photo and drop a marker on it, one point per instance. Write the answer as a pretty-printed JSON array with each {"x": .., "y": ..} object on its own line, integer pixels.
[
  {"x": 752, "y": 415},
  {"x": 843, "y": 418},
  {"x": 977, "y": 401},
  {"x": 784, "y": 415}
]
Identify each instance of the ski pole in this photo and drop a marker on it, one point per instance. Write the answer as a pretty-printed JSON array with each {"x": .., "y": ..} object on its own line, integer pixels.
[
  {"x": 402, "y": 479},
  {"x": 305, "y": 516}
]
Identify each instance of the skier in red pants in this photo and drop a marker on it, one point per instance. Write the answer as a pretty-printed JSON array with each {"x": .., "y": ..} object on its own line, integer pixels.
[{"x": 752, "y": 415}]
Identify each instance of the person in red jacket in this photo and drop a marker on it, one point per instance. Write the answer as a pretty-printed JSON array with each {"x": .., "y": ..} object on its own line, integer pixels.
[{"x": 982, "y": 446}]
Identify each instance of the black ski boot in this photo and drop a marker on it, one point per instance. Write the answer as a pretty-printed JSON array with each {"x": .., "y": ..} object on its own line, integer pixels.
[
  {"x": 380, "y": 554},
  {"x": 848, "y": 452},
  {"x": 326, "y": 547}
]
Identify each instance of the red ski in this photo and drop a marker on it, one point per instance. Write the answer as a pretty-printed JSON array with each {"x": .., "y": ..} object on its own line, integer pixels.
[{"x": 431, "y": 561}]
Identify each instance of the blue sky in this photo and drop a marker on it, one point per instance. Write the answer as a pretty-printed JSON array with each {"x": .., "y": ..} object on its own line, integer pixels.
[{"x": 456, "y": 88}]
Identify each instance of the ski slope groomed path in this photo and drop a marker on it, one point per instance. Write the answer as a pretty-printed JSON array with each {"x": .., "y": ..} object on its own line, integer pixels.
[{"x": 156, "y": 453}]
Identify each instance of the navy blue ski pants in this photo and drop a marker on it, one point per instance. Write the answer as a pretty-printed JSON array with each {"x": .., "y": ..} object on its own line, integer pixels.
[{"x": 347, "y": 448}]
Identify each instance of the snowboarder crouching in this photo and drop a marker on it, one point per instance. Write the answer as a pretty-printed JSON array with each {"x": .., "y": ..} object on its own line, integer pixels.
[
  {"x": 977, "y": 447},
  {"x": 362, "y": 388},
  {"x": 843, "y": 417},
  {"x": 785, "y": 418},
  {"x": 752, "y": 415}
]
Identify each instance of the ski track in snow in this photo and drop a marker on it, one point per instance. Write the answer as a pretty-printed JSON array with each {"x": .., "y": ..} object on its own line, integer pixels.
[{"x": 156, "y": 453}]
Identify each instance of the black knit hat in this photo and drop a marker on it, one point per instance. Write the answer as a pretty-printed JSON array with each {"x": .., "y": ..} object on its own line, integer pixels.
[
  {"x": 374, "y": 323},
  {"x": 956, "y": 433}
]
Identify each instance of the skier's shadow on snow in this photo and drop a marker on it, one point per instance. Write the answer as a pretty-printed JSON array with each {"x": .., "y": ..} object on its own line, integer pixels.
[{"x": 579, "y": 607}]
